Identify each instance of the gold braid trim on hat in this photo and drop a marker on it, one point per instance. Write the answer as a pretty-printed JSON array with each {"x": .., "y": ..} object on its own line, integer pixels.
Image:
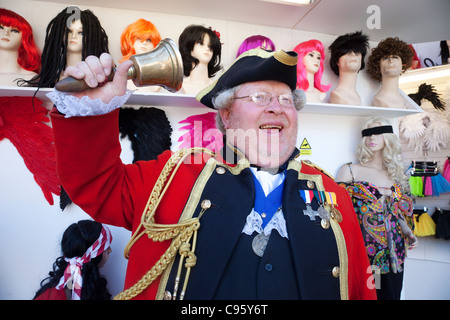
[
  {"x": 285, "y": 58},
  {"x": 180, "y": 233}
]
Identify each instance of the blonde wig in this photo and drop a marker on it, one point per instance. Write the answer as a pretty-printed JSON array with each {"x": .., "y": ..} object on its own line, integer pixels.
[{"x": 392, "y": 153}]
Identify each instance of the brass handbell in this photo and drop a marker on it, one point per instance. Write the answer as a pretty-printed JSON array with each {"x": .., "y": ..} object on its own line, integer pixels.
[{"x": 162, "y": 66}]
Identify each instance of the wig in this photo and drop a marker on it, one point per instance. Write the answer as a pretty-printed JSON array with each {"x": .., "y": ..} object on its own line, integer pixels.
[
  {"x": 356, "y": 42},
  {"x": 392, "y": 153},
  {"x": 95, "y": 42},
  {"x": 189, "y": 37},
  {"x": 444, "y": 51},
  {"x": 141, "y": 29},
  {"x": 303, "y": 49},
  {"x": 29, "y": 55},
  {"x": 253, "y": 42},
  {"x": 389, "y": 47},
  {"x": 77, "y": 238}
]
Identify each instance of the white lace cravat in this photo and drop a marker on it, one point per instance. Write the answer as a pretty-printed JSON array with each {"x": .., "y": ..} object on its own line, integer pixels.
[{"x": 254, "y": 221}]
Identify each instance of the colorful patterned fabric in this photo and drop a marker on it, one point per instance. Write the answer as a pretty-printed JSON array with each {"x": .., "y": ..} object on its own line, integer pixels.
[{"x": 378, "y": 218}]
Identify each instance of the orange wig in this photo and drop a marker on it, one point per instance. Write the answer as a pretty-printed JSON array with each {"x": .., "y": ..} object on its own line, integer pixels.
[{"x": 141, "y": 29}]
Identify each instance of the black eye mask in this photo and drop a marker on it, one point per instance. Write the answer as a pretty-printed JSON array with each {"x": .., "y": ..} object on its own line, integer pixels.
[{"x": 377, "y": 130}]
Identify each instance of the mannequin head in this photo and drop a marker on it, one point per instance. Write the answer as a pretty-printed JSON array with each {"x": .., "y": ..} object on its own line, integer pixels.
[
  {"x": 195, "y": 34},
  {"x": 356, "y": 43},
  {"x": 139, "y": 37},
  {"x": 390, "y": 50},
  {"x": 256, "y": 41},
  {"x": 29, "y": 57},
  {"x": 57, "y": 38},
  {"x": 311, "y": 54},
  {"x": 387, "y": 144}
]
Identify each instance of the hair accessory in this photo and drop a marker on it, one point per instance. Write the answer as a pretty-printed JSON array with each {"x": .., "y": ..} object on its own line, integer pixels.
[
  {"x": 377, "y": 130},
  {"x": 73, "y": 269}
]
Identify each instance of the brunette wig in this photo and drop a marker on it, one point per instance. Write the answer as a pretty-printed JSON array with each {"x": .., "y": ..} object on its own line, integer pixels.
[
  {"x": 189, "y": 37},
  {"x": 356, "y": 42},
  {"x": 29, "y": 55},
  {"x": 389, "y": 47}
]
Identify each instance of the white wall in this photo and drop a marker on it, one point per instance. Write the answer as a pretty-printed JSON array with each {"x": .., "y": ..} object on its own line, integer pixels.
[{"x": 31, "y": 229}]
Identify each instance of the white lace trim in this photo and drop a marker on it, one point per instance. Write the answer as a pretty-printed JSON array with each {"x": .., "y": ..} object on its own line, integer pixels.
[
  {"x": 254, "y": 223},
  {"x": 72, "y": 106}
]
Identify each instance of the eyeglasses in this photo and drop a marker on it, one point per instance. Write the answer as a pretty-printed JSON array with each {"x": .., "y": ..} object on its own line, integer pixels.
[{"x": 264, "y": 98}]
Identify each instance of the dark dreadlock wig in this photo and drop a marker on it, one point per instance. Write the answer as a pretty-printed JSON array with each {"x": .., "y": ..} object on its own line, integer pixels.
[
  {"x": 95, "y": 42},
  {"x": 426, "y": 91},
  {"x": 356, "y": 42},
  {"x": 389, "y": 47}
]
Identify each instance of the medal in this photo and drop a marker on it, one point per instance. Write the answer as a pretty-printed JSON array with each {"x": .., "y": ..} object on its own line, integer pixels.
[
  {"x": 259, "y": 244},
  {"x": 310, "y": 212}
]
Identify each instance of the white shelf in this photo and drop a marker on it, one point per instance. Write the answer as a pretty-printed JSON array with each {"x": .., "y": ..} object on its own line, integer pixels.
[{"x": 182, "y": 100}]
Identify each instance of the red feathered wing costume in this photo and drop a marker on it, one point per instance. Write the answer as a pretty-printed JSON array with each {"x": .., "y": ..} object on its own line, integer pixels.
[{"x": 25, "y": 126}]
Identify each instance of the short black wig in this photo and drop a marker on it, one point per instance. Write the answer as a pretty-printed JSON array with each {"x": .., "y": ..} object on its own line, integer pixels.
[{"x": 356, "y": 42}]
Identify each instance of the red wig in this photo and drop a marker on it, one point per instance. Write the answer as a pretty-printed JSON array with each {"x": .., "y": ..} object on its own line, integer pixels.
[
  {"x": 29, "y": 54},
  {"x": 141, "y": 29}
]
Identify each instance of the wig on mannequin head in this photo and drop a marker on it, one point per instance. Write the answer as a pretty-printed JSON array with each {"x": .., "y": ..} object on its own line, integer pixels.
[
  {"x": 189, "y": 37},
  {"x": 77, "y": 238},
  {"x": 253, "y": 42},
  {"x": 95, "y": 42},
  {"x": 389, "y": 47},
  {"x": 141, "y": 29},
  {"x": 392, "y": 153},
  {"x": 29, "y": 55},
  {"x": 444, "y": 51},
  {"x": 303, "y": 49},
  {"x": 356, "y": 42}
]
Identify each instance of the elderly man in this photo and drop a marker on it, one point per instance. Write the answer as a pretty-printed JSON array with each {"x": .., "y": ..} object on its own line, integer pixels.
[{"x": 252, "y": 222}]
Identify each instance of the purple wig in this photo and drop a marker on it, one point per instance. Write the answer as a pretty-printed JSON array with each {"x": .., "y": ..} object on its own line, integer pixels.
[
  {"x": 253, "y": 42},
  {"x": 303, "y": 49}
]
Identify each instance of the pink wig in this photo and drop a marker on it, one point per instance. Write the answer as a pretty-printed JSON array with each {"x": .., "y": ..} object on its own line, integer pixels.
[
  {"x": 255, "y": 42},
  {"x": 29, "y": 54},
  {"x": 303, "y": 49}
]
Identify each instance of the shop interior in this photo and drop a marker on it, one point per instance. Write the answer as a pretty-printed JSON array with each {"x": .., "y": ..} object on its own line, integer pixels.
[{"x": 32, "y": 226}]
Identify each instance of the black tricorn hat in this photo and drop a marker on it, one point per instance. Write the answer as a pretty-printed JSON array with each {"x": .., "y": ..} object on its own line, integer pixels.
[{"x": 254, "y": 65}]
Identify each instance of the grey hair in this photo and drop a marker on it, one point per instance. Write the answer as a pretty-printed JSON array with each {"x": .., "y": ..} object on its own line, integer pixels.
[{"x": 224, "y": 100}]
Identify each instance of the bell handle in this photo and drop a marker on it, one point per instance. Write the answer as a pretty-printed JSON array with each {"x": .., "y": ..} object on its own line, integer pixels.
[{"x": 70, "y": 84}]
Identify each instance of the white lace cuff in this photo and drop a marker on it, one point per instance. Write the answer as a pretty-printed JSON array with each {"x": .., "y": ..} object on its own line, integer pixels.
[
  {"x": 254, "y": 223},
  {"x": 72, "y": 106}
]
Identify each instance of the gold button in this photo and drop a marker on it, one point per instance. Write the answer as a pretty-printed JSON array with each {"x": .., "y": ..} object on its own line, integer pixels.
[
  {"x": 336, "y": 272},
  {"x": 167, "y": 295},
  {"x": 310, "y": 184},
  {"x": 263, "y": 215},
  {"x": 325, "y": 223},
  {"x": 220, "y": 170},
  {"x": 206, "y": 204}
]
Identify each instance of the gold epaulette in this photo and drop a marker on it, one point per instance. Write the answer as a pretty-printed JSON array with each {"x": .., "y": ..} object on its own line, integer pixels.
[{"x": 309, "y": 163}]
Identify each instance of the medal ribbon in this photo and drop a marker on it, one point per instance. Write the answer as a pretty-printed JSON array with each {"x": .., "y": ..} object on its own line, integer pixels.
[
  {"x": 331, "y": 198},
  {"x": 307, "y": 195}
]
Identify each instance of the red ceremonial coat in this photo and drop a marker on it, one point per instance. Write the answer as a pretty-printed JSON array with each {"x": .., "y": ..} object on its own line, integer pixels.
[{"x": 90, "y": 170}]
